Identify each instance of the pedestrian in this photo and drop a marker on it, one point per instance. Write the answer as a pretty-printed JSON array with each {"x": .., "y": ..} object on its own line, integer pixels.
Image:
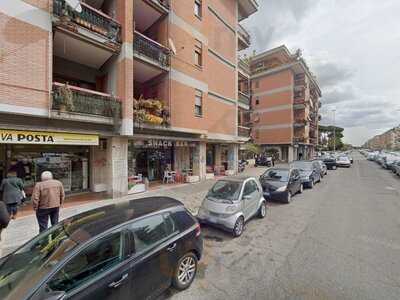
[
  {"x": 4, "y": 217},
  {"x": 47, "y": 198},
  {"x": 12, "y": 188}
]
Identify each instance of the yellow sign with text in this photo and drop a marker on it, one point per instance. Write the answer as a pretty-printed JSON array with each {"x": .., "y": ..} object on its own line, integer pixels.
[{"x": 47, "y": 138}]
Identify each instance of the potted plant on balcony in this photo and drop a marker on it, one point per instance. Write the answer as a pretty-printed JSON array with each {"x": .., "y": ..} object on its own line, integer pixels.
[{"x": 66, "y": 100}]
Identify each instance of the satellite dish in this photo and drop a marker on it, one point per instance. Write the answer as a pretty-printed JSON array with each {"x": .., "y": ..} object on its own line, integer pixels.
[
  {"x": 172, "y": 46},
  {"x": 75, "y": 5}
]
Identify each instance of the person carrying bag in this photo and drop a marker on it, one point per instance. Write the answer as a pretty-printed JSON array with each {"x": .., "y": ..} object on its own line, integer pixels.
[{"x": 12, "y": 188}]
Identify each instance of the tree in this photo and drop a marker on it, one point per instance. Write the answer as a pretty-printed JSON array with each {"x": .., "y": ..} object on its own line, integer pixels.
[{"x": 331, "y": 132}]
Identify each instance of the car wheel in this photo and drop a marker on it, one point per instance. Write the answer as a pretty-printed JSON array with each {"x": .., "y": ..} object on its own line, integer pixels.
[
  {"x": 185, "y": 271},
  {"x": 238, "y": 228},
  {"x": 311, "y": 184},
  {"x": 288, "y": 198},
  {"x": 262, "y": 212},
  {"x": 301, "y": 189}
]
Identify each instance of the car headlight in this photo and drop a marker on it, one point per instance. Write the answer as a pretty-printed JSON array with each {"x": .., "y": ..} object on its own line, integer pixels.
[
  {"x": 281, "y": 189},
  {"x": 231, "y": 208}
]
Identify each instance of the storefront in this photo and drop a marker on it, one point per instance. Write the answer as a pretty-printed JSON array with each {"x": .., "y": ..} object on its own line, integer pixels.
[
  {"x": 150, "y": 158},
  {"x": 29, "y": 153},
  {"x": 220, "y": 158}
]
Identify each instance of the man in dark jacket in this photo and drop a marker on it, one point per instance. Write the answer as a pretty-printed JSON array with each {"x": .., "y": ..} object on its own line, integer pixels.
[{"x": 12, "y": 188}]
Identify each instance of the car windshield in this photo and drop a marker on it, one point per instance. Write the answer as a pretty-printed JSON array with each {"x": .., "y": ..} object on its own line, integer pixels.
[
  {"x": 23, "y": 269},
  {"x": 303, "y": 165},
  {"x": 225, "y": 191},
  {"x": 277, "y": 175},
  {"x": 343, "y": 158}
]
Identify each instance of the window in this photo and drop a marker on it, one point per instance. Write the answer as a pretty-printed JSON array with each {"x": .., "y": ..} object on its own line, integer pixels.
[
  {"x": 249, "y": 188},
  {"x": 257, "y": 84},
  {"x": 198, "y": 104},
  {"x": 198, "y": 53},
  {"x": 257, "y": 100},
  {"x": 98, "y": 257},
  {"x": 197, "y": 8},
  {"x": 152, "y": 231}
]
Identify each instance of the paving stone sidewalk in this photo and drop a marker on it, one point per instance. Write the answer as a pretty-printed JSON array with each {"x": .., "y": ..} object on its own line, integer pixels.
[{"x": 24, "y": 228}]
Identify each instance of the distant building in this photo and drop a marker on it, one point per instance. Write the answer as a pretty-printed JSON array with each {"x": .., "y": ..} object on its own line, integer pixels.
[
  {"x": 285, "y": 104},
  {"x": 389, "y": 140}
]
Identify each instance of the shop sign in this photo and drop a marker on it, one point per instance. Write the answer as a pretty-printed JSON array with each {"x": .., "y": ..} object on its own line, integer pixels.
[
  {"x": 163, "y": 143},
  {"x": 47, "y": 138}
]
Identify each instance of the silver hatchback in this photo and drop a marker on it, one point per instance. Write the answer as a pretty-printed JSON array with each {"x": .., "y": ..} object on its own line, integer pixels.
[{"x": 231, "y": 202}]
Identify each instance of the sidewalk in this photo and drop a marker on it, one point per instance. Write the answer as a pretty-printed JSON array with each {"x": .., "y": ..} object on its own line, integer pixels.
[{"x": 25, "y": 227}]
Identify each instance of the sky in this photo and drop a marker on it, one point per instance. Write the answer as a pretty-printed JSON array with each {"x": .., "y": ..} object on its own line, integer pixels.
[{"x": 353, "y": 47}]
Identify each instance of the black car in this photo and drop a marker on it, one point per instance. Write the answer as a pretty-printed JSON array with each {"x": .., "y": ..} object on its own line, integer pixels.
[
  {"x": 330, "y": 162},
  {"x": 322, "y": 167},
  {"x": 309, "y": 172},
  {"x": 281, "y": 184},
  {"x": 131, "y": 250}
]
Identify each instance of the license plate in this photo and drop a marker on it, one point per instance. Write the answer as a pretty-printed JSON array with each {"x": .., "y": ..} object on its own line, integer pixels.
[{"x": 267, "y": 194}]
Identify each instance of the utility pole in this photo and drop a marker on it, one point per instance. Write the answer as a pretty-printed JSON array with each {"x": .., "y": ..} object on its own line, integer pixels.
[{"x": 334, "y": 131}]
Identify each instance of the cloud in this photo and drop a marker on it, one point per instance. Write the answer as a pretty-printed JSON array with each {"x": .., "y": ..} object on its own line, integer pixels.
[
  {"x": 331, "y": 74},
  {"x": 338, "y": 94}
]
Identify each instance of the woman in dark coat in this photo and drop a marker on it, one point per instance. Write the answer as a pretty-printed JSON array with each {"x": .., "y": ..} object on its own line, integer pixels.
[{"x": 12, "y": 188}]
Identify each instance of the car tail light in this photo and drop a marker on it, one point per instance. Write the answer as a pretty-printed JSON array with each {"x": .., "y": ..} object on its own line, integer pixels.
[{"x": 198, "y": 230}]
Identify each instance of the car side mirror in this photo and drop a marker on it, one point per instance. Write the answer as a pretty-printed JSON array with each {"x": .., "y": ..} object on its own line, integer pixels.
[{"x": 57, "y": 295}]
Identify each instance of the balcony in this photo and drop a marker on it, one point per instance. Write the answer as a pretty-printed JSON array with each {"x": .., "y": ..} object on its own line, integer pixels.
[
  {"x": 74, "y": 103},
  {"x": 243, "y": 37},
  {"x": 244, "y": 99},
  {"x": 148, "y": 12},
  {"x": 150, "y": 52},
  {"x": 314, "y": 141},
  {"x": 299, "y": 140},
  {"x": 247, "y": 8},
  {"x": 91, "y": 24},
  {"x": 244, "y": 67},
  {"x": 244, "y": 131}
]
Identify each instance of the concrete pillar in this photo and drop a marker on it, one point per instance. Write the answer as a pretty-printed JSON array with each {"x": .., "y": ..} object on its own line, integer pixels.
[
  {"x": 290, "y": 154},
  {"x": 199, "y": 160},
  {"x": 233, "y": 157},
  {"x": 117, "y": 161}
]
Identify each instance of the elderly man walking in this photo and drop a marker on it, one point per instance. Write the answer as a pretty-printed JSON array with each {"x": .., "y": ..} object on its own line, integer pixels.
[{"x": 47, "y": 197}]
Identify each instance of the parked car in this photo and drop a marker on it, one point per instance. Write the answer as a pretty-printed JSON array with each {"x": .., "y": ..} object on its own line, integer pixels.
[
  {"x": 263, "y": 160},
  {"x": 397, "y": 168},
  {"x": 132, "y": 250},
  {"x": 330, "y": 162},
  {"x": 322, "y": 167},
  {"x": 309, "y": 172},
  {"x": 343, "y": 161},
  {"x": 281, "y": 184},
  {"x": 231, "y": 202}
]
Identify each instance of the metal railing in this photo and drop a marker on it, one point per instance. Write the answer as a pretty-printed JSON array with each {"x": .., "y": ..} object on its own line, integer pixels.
[
  {"x": 244, "y": 66},
  {"x": 244, "y": 131},
  {"x": 244, "y": 34},
  {"x": 244, "y": 98},
  {"x": 85, "y": 101},
  {"x": 163, "y": 3},
  {"x": 89, "y": 18},
  {"x": 152, "y": 50}
]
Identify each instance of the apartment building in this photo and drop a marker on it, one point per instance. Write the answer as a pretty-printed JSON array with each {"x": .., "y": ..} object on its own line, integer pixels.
[
  {"x": 389, "y": 140},
  {"x": 285, "y": 104},
  {"x": 112, "y": 91}
]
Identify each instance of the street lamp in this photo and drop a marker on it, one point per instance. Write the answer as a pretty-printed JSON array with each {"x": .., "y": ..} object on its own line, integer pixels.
[{"x": 334, "y": 130}]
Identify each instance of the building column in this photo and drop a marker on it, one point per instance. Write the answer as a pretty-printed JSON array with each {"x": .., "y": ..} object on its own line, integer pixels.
[
  {"x": 117, "y": 160},
  {"x": 217, "y": 158},
  {"x": 233, "y": 157},
  {"x": 290, "y": 154},
  {"x": 199, "y": 161}
]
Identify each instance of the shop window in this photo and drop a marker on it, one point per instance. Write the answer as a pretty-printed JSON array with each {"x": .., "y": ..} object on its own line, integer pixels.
[
  {"x": 197, "y": 8},
  {"x": 198, "y": 53},
  {"x": 198, "y": 105}
]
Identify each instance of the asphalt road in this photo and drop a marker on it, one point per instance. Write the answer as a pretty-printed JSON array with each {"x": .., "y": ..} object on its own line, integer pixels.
[{"x": 340, "y": 240}]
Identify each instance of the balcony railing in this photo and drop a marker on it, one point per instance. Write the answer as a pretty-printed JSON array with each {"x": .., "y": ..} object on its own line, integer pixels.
[
  {"x": 313, "y": 141},
  {"x": 90, "y": 18},
  {"x": 244, "y": 131},
  {"x": 150, "y": 49},
  {"x": 300, "y": 83},
  {"x": 299, "y": 140},
  {"x": 163, "y": 3},
  {"x": 244, "y": 98},
  {"x": 244, "y": 34},
  {"x": 244, "y": 66},
  {"x": 67, "y": 98}
]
